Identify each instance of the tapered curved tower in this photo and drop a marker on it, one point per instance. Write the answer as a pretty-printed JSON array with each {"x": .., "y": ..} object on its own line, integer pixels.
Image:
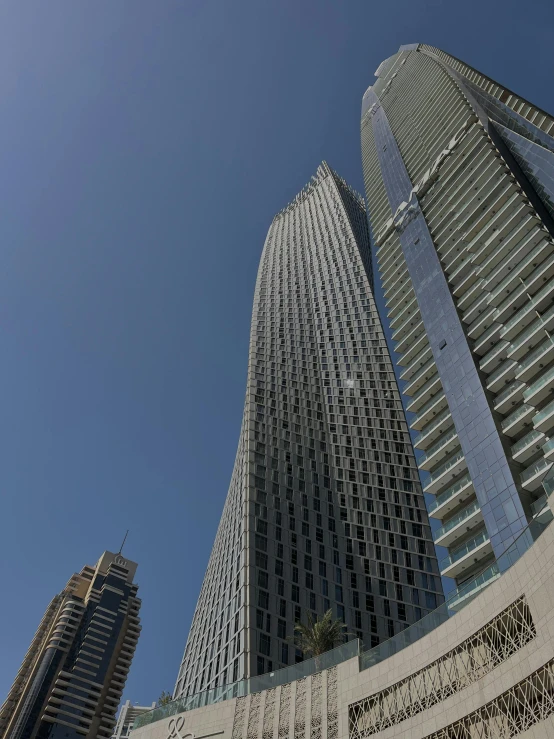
[{"x": 324, "y": 509}]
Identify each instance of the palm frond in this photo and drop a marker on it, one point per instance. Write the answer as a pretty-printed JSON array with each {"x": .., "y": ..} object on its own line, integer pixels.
[{"x": 319, "y": 636}]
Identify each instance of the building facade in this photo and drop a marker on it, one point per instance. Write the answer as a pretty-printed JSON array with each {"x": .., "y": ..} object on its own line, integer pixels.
[
  {"x": 484, "y": 672},
  {"x": 325, "y": 509},
  {"x": 459, "y": 177},
  {"x": 127, "y": 717},
  {"x": 71, "y": 680}
]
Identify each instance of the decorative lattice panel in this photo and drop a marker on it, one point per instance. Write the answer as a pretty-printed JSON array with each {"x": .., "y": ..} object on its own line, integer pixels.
[
  {"x": 332, "y": 710},
  {"x": 254, "y": 716},
  {"x": 238, "y": 719},
  {"x": 300, "y": 709},
  {"x": 492, "y": 644},
  {"x": 315, "y": 718},
  {"x": 284, "y": 712},
  {"x": 269, "y": 714},
  {"x": 512, "y": 713}
]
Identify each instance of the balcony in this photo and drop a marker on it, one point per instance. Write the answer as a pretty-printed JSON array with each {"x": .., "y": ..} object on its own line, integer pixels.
[
  {"x": 459, "y": 526},
  {"x": 446, "y": 444},
  {"x": 544, "y": 272},
  {"x": 488, "y": 339},
  {"x": 481, "y": 324},
  {"x": 433, "y": 406},
  {"x": 392, "y": 288},
  {"x": 527, "y": 314},
  {"x": 386, "y": 249},
  {"x": 515, "y": 300},
  {"x": 391, "y": 264},
  {"x": 540, "y": 389},
  {"x": 527, "y": 447},
  {"x": 399, "y": 298},
  {"x": 451, "y": 498},
  {"x": 529, "y": 338},
  {"x": 464, "y": 274},
  {"x": 532, "y": 477},
  {"x": 518, "y": 420},
  {"x": 416, "y": 364},
  {"x": 477, "y": 306},
  {"x": 548, "y": 450},
  {"x": 501, "y": 229},
  {"x": 408, "y": 309},
  {"x": 502, "y": 375},
  {"x": 536, "y": 360},
  {"x": 413, "y": 350},
  {"x": 523, "y": 267},
  {"x": 465, "y": 285},
  {"x": 471, "y": 298},
  {"x": 491, "y": 360},
  {"x": 432, "y": 432},
  {"x": 467, "y": 556},
  {"x": 538, "y": 506},
  {"x": 410, "y": 338},
  {"x": 420, "y": 377},
  {"x": 544, "y": 420},
  {"x": 449, "y": 241},
  {"x": 524, "y": 238},
  {"x": 414, "y": 319},
  {"x": 530, "y": 235},
  {"x": 509, "y": 397},
  {"x": 450, "y": 469},
  {"x": 428, "y": 390}
]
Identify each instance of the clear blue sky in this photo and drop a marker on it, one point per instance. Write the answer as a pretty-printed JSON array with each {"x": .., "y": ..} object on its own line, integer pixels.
[{"x": 144, "y": 147}]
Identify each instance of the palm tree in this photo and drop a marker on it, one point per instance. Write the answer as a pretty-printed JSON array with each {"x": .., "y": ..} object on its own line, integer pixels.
[
  {"x": 164, "y": 699},
  {"x": 319, "y": 636}
]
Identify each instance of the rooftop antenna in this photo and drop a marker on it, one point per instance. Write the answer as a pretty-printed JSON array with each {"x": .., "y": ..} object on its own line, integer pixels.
[{"x": 123, "y": 543}]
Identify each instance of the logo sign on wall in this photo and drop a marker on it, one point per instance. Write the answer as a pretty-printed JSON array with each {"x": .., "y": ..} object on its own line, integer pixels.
[
  {"x": 175, "y": 727},
  {"x": 176, "y": 730}
]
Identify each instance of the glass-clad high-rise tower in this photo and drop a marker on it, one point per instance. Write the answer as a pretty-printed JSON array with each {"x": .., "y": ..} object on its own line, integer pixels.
[
  {"x": 325, "y": 509},
  {"x": 459, "y": 176}
]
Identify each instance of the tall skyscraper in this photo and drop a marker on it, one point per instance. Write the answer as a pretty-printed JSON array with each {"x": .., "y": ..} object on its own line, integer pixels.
[
  {"x": 325, "y": 508},
  {"x": 70, "y": 683},
  {"x": 459, "y": 176}
]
